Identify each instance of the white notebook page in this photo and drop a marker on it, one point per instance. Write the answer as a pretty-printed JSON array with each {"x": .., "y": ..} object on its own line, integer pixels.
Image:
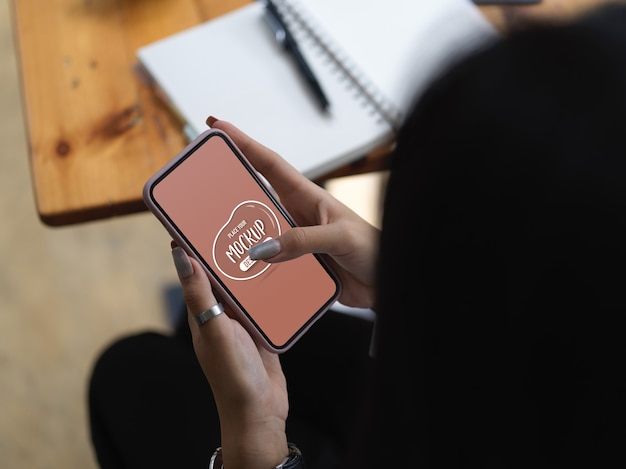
[{"x": 232, "y": 68}]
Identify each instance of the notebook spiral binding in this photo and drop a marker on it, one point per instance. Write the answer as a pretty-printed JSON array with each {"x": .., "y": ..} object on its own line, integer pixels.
[{"x": 296, "y": 17}]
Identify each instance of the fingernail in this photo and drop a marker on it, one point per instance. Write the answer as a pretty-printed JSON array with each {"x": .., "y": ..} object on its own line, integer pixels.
[
  {"x": 211, "y": 120},
  {"x": 182, "y": 263},
  {"x": 265, "y": 250}
]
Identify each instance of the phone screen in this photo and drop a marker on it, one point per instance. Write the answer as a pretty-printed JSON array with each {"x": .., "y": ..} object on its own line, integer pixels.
[{"x": 218, "y": 206}]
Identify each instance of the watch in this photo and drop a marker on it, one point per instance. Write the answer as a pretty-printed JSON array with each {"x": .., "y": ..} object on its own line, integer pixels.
[{"x": 293, "y": 461}]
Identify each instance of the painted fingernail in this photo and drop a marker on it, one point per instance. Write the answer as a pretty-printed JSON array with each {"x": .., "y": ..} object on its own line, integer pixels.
[
  {"x": 211, "y": 120},
  {"x": 265, "y": 250},
  {"x": 182, "y": 263}
]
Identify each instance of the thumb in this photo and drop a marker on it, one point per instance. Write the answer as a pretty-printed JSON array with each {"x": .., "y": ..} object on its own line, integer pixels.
[{"x": 321, "y": 239}]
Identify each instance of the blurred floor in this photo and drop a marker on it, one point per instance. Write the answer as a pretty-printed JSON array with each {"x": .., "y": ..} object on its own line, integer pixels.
[{"x": 65, "y": 293}]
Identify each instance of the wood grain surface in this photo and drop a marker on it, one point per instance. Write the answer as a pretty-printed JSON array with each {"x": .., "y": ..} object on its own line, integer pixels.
[{"x": 95, "y": 131}]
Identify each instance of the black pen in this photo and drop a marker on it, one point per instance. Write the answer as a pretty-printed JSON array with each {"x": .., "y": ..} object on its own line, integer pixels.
[{"x": 285, "y": 38}]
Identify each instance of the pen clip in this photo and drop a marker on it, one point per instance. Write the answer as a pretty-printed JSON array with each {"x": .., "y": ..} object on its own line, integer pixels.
[{"x": 279, "y": 32}]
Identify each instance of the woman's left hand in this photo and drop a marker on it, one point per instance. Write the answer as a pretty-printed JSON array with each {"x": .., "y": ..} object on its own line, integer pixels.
[{"x": 247, "y": 381}]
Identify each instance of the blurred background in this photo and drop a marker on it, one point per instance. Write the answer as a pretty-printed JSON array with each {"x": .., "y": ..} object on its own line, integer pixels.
[{"x": 66, "y": 293}]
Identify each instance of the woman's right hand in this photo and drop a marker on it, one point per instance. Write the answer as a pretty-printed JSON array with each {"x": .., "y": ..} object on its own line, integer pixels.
[{"x": 325, "y": 225}]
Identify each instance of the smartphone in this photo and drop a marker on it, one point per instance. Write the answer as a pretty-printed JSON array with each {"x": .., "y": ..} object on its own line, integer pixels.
[{"x": 215, "y": 205}]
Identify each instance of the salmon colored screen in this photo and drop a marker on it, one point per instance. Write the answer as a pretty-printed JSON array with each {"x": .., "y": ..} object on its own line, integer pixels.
[{"x": 214, "y": 202}]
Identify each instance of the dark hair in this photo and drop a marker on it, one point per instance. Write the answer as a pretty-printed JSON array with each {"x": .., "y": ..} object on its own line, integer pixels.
[{"x": 503, "y": 258}]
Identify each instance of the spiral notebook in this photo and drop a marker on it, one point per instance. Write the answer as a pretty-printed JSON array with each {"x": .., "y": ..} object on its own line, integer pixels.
[{"x": 372, "y": 58}]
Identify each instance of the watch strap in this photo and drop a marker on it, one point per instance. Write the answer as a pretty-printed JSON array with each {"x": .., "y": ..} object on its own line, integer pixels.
[{"x": 293, "y": 461}]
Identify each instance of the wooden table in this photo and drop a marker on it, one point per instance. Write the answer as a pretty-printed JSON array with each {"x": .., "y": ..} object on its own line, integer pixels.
[{"x": 96, "y": 133}]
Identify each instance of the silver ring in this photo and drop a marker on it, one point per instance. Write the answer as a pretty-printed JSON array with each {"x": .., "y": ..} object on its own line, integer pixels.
[{"x": 209, "y": 314}]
